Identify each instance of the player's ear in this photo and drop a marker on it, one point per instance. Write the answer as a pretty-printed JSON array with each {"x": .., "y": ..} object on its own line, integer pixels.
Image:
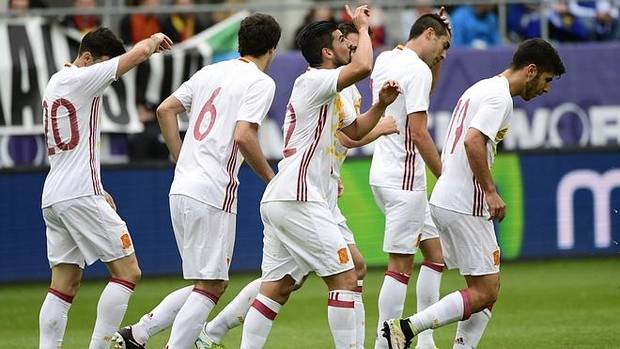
[
  {"x": 531, "y": 71},
  {"x": 86, "y": 57},
  {"x": 429, "y": 33}
]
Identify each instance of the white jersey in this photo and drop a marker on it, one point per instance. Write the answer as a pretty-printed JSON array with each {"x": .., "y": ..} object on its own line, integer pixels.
[
  {"x": 348, "y": 105},
  {"x": 216, "y": 97},
  {"x": 396, "y": 162},
  {"x": 71, "y": 109},
  {"x": 304, "y": 173},
  {"x": 487, "y": 107}
]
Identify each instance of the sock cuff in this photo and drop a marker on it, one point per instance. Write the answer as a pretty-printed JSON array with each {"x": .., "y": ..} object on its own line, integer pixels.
[
  {"x": 438, "y": 267},
  {"x": 341, "y": 299},
  {"x": 466, "y": 304},
  {"x": 128, "y": 284},
  {"x": 207, "y": 294},
  {"x": 63, "y": 296},
  {"x": 400, "y": 277},
  {"x": 266, "y": 306}
]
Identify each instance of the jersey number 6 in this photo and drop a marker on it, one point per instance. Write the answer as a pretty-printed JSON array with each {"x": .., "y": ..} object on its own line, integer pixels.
[{"x": 209, "y": 107}]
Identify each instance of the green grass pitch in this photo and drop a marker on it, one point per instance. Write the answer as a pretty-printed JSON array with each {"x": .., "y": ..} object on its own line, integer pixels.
[{"x": 567, "y": 304}]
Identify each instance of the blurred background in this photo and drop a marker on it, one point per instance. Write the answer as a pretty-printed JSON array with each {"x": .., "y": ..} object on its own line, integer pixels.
[{"x": 558, "y": 171}]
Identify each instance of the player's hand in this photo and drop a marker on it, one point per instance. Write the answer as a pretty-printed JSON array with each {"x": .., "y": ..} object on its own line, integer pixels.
[
  {"x": 496, "y": 206},
  {"x": 163, "y": 42},
  {"x": 360, "y": 18},
  {"x": 444, "y": 17},
  {"x": 387, "y": 126},
  {"x": 388, "y": 93},
  {"x": 109, "y": 199},
  {"x": 340, "y": 188}
]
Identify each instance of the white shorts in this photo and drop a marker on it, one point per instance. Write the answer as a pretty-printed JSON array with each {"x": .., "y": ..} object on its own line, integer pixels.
[
  {"x": 407, "y": 219},
  {"x": 83, "y": 230},
  {"x": 301, "y": 237},
  {"x": 467, "y": 242},
  {"x": 340, "y": 219},
  {"x": 205, "y": 237}
]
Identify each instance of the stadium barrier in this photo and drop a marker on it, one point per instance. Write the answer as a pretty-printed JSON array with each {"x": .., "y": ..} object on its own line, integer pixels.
[{"x": 559, "y": 205}]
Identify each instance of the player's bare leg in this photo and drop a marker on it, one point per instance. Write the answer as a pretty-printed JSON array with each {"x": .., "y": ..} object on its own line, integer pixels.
[
  {"x": 481, "y": 292},
  {"x": 428, "y": 284},
  {"x": 470, "y": 331},
  {"x": 53, "y": 315},
  {"x": 393, "y": 291},
  {"x": 124, "y": 275},
  {"x": 259, "y": 319},
  {"x": 360, "y": 313},
  {"x": 194, "y": 312}
]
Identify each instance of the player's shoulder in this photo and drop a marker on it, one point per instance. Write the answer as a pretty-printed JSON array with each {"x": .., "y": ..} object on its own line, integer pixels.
[{"x": 493, "y": 89}]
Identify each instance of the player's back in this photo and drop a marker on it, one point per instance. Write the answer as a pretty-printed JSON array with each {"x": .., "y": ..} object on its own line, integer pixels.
[
  {"x": 216, "y": 97},
  {"x": 71, "y": 108},
  {"x": 395, "y": 161},
  {"x": 485, "y": 106}
]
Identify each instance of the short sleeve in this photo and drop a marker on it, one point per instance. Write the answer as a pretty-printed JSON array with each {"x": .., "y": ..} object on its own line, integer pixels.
[
  {"x": 351, "y": 103},
  {"x": 323, "y": 84},
  {"x": 185, "y": 94},
  {"x": 491, "y": 115},
  {"x": 256, "y": 101},
  {"x": 417, "y": 91},
  {"x": 98, "y": 77}
]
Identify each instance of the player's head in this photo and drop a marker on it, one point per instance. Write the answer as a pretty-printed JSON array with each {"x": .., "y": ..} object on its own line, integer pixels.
[
  {"x": 536, "y": 62},
  {"x": 322, "y": 42},
  {"x": 259, "y": 35},
  {"x": 99, "y": 45},
  {"x": 433, "y": 35},
  {"x": 350, "y": 33}
]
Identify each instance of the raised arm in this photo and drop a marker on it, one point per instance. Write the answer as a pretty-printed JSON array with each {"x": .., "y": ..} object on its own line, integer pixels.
[
  {"x": 424, "y": 142},
  {"x": 475, "y": 147},
  {"x": 167, "y": 117},
  {"x": 141, "y": 51},
  {"x": 246, "y": 137},
  {"x": 364, "y": 123},
  {"x": 385, "y": 126},
  {"x": 361, "y": 62}
]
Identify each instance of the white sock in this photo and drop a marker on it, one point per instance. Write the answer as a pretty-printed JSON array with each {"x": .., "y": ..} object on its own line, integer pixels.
[
  {"x": 53, "y": 319},
  {"x": 360, "y": 315},
  {"x": 341, "y": 318},
  {"x": 450, "y": 308},
  {"x": 469, "y": 332},
  {"x": 233, "y": 314},
  {"x": 427, "y": 293},
  {"x": 391, "y": 302},
  {"x": 258, "y": 322},
  {"x": 161, "y": 317},
  {"x": 110, "y": 311},
  {"x": 191, "y": 317}
]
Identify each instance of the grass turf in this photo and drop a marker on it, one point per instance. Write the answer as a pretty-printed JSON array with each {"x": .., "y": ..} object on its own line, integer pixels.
[{"x": 548, "y": 304}]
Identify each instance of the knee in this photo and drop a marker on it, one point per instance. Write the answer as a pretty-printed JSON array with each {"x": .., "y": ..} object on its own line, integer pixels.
[
  {"x": 401, "y": 263},
  {"x": 131, "y": 273}
]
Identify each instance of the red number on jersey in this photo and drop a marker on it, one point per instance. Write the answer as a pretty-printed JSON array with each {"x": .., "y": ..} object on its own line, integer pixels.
[
  {"x": 459, "y": 130},
  {"x": 210, "y": 108},
  {"x": 73, "y": 125},
  {"x": 289, "y": 132}
]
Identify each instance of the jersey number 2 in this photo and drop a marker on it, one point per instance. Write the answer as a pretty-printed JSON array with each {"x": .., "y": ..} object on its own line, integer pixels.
[
  {"x": 73, "y": 124},
  {"x": 209, "y": 107}
]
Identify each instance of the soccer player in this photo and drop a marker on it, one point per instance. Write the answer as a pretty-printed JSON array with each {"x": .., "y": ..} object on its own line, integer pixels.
[
  {"x": 227, "y": 101},
  {"x": 349, "y": 101},
  {"x": 397, "y": 172},
  {"x": 301, "y": 234},
  {"x": 82, "y": 225},
  {"x": 465, "y": 201}
]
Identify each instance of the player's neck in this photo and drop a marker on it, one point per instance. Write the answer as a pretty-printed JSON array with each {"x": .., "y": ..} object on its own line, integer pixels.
[
  {"x": 260, "y": 62},
  {"x": 515, "y": 82},
  {"x": 78, "y": 63},
  {"x": 415, "y": 47}
]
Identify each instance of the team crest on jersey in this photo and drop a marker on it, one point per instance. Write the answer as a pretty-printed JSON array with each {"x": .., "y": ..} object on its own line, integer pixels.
[
  {"x": 496, "y": 257},
  {"x": 126, "y": 241},
  {"x": 343, "y": 255}
]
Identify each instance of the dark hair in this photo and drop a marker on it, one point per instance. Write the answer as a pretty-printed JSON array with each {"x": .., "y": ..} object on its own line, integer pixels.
[
  {"x": 101, "y": 42},
  {"x": 539, "y": 52},
  {"x": 258, "y": 34},
  {"x": 429, "y": 20},
  {"x": 313, "y": 38},
  {"x": 347, "y": 28}
]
